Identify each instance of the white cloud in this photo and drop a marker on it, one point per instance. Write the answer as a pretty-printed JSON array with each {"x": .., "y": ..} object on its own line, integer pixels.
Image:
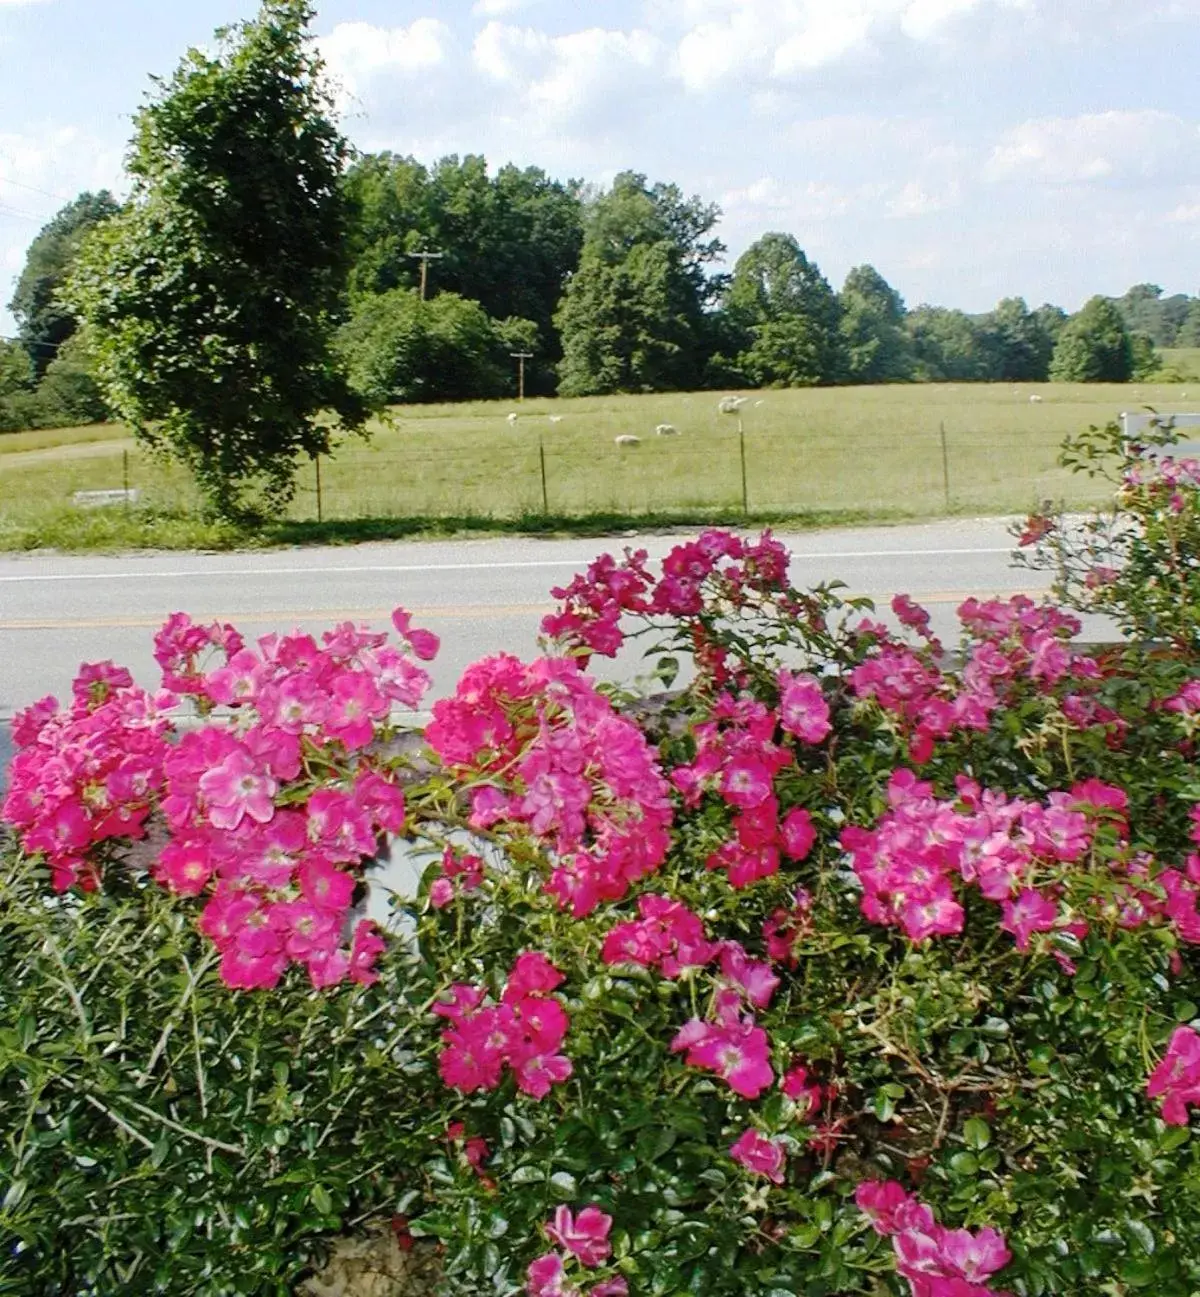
[
  {"x": 355, "y": 52},
  {"x": 499, "y": 8},
  {"x": 914, "y": 199},
  {"x": 569, "y": 74},
  {"x": 786, "y": 39},
  {"x": 1115, "y": 147}
]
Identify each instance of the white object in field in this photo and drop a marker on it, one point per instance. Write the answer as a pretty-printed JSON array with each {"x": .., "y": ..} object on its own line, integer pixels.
[
  {"x": 627, "y": 439},
  {"x": 98, "y": 499},
  {"x": 758, "y": 403},
  {"x": 512, "y": 419},
  {"x": 667, "y": 430},
  {"x": 1035, "y": 399},
  {"x": 731, "y": 404},
  {"x": 555, "y": 418}
]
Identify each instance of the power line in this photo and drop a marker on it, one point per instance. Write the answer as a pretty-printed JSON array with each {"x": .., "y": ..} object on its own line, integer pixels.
[
  {"x": 8, "y": 210},
  {"x": 34, "y": 189}
]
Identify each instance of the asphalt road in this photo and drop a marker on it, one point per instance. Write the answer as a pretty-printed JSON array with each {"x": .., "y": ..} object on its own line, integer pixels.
[{"x": 480, "y": 596}]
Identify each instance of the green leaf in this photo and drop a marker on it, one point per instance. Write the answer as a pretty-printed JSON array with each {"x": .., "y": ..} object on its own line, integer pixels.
[{"x": 977, "y": 1134}]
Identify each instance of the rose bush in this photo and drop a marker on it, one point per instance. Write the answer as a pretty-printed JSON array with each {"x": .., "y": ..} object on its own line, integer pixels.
[{"x": 852, "y": 966}]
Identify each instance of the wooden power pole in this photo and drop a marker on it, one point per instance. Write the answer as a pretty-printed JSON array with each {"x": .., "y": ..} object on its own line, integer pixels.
[
  {"x": 521, "y": 357},
  {"x": 425, "y": 258}
]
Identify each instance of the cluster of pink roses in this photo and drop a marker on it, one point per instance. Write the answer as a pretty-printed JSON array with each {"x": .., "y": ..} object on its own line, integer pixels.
[
  {"x": 1176, "y": 1080},
  {"x": 595, "y": 602},
  {"x": 1010, "y": 850},
  {"x": 1167, "y": 477},
  {"x": 937, "y": 1262},
  {"x": 738, "y": 759},
  {"x": 584, "y": 1237},
  {"x": 86, "y": 775},
  {"x": 523, "y": 1032},
  {"x": 270, "y": 811},
  {"x": 1014, "y": 639},
  {"x": 543, "y": 748}
]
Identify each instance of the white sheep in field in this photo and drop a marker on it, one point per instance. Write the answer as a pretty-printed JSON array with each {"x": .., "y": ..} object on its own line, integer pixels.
[
  {"x": 731, "y": 404},
  {"x": 512, "y": 420},
  {"x": 1035, "y": 399},
  {"x": 667, "y": 430},
  {"x": 627, "y": 439},
  {"x": 555, "y": 418}
]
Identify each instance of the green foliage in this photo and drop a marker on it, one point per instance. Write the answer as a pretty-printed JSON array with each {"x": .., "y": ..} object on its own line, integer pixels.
[
  {"x": 786, "y": 315},
  {"x": 1008, "y": 1087},
  {"x": 69, "y": 392},
  {"x": 161, "y": 1134},
  {"x": 633, "y": 315},
  {"x": 1021, "y": 341},
  {"x": 1145, "y": 360},
  {"x": 213, "y": 297},
  {"x": 948, "y": 346},
  {"x": 875, "y": 346},
  {"x": 16, "y": 371},
  {"x": 1135, "y": 560},
  {"x": 1145, "y": 310},
  {"x": 1189, "y": 330},
  {"x": 1093, "y": 347},
  {"x": 399, "y": 348},
  {"x": 508, "y": 241},
  {"x": 45, "y": 323}
]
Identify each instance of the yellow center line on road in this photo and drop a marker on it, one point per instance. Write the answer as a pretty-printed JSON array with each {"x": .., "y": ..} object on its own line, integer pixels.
[{"x": 447, "y": 612}]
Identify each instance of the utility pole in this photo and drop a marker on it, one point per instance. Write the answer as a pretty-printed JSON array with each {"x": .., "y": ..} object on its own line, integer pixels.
[
  {"x": 521, "y": 357},
  {"x": 425, "y": 258}
]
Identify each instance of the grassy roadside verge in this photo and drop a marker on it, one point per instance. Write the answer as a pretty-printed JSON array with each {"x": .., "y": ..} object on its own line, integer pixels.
[{"x": 117, "y": 532}]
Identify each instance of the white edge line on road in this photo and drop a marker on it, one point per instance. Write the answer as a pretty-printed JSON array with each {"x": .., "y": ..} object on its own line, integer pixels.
[{"x": 579, "y": 564}]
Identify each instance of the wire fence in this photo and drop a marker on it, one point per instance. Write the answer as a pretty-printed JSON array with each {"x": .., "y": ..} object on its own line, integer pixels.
[{"x": 935, "y": 470}]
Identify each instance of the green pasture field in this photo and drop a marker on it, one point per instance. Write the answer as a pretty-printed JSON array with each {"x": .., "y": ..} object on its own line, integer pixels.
[{"x": 811, "y": 455}]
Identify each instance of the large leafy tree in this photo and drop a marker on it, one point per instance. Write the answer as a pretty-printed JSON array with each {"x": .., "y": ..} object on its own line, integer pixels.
[
  {"x": 634, "y": 315},
  {"x": 876, "y": 348},
  {"x": 1094, "y": 347},
  {"x": 1021, "y": 341},
  {"x": 214, "y": 296},
  {"x": 43, "y": 320},
  {"x": 786, "y": 315}
]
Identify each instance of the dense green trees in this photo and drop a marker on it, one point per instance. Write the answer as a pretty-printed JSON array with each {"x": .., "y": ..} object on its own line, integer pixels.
[
  {"x": 875, "y": 347},
  {"x": 1093, "y": 347},
  {"x": 214, "y": 295},
  {"x": 44, "y": 322},
  {"x": 783, "y": 316},
  {"x": 633, "y": 317},
  {"x": 507, "y": 241}
]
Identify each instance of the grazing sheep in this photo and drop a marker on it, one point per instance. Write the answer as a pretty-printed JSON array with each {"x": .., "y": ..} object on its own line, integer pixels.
[
  {"x": 1035, "y": 399},
  {"x": 731, "y": 404},
  {"x": 667, "y": 430},
  {"x": 627, "y": 439},
  {"x": 555, "y": 418}
]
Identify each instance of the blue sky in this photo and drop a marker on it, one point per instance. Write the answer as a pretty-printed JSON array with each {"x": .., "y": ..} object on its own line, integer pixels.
[{"x": 969, "y": 149}]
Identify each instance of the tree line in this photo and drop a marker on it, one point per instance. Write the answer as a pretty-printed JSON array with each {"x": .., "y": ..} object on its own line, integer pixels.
[
  {"x": 263, "y": 285},
  {"x": 618, "y": 290}
]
